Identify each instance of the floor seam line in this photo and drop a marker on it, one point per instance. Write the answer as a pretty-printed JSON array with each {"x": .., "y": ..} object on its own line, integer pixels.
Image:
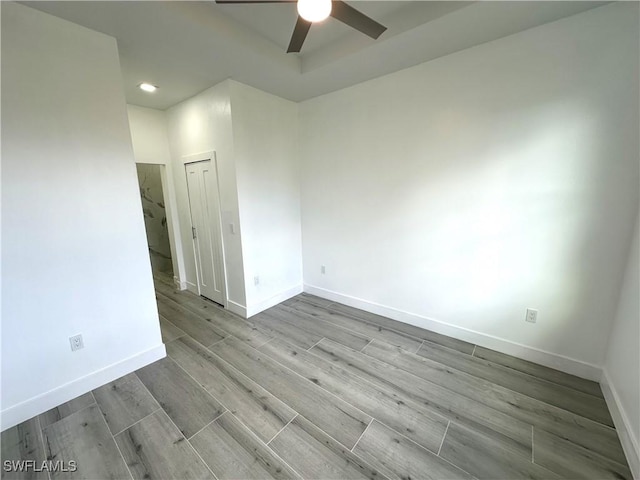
[
  {"x": 280, "y": 431},
  {"x": 466, "y": 395},
  {"x": 306, "y": 380},
  {"x": 368, "y": 343},
  {"x": 218, "y": 341},
  {"x": 251, "y": 432},
  {"x": 391, "y": 329},
  {"x": 443, "y": 437},
  {"x": 362, "y": 435},
  {"x": 199, "y": 384},
  {"x": 183, "y": 435},
  {"x": 137, "y": 421},
  {"x": 355, "y": 332},
  {"x": 546, "y": 381},
  {"x": 192, "y": 447},
  {"x": 195, "y": 311},
  {"x": 295, "y": 311},
  {"x": 425, "y": 448},
  {"x": 511, "y": 390},
  {"x": 263, "y": 344},
  {"x": 113, "y": 439},
  {"x": 532, "y": 454},
  {"x": 231, "y": 366},
  {"x": 192, "y": 312},
  {"x": 67, "y": 416},
  {"x": 193, "y": 435},
  {"x": 315, "y": 343},
  {"x": 41, "y": 436},
  {"x": 407, "y": 438}
]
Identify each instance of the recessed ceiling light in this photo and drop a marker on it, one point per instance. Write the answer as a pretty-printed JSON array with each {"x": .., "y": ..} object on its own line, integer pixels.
[{"x": 147, "y": 87}]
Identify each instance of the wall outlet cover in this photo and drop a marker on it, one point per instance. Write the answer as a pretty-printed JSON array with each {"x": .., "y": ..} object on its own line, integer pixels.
[
  {"x": 76, "y": 342},
  {"x": 532, "y": 315}
]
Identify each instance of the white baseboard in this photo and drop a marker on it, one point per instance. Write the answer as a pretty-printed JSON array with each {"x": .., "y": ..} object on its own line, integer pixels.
[
  {"x": 237, "y": 308},
  {"x": 525, "y": 352},
  {"x": 624, "y": 428},
  {"x": 192, "y": 287},
  {"x": 178, "y": 284},
  {"x": 274, "y": 300},
  {"x": 46, "y": 401}
]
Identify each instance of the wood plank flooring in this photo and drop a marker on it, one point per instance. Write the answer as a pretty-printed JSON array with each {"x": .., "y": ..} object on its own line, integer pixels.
[
  {"x": 314, "y": 389},
  {"x": 24, "y": 443},
  {"x": 314, "y": 454},
  {"x": 232, "y": 452},
  {"x": 188, "y": 405},
  {"x": 399, "y": 458},
  {"x": 588, "y": 406},
  {"x": 84, "y": 437},
  {"x": 124, "y": 401},
  {"x": 254, "y": 406},
  {"x": 155, "y": 448},
  {"x": 429, "y": 396},
  {"x": 422, "y": 425}
]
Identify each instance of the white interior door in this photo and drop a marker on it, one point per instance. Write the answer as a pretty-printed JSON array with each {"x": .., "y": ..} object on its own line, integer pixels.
[{"x": 202, "y": 183}]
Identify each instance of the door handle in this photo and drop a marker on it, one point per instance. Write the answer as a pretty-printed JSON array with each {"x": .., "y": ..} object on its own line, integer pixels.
[{"x": 193, "y": 232}]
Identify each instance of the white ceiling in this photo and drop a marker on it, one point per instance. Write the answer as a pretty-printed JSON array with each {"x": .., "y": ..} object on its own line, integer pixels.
[{"x": 186, "y": 47}]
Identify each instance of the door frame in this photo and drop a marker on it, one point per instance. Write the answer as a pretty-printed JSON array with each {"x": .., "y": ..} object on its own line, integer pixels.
[
  {"x": 173, "y": 226},
  {"x": 203, "y": 157}
]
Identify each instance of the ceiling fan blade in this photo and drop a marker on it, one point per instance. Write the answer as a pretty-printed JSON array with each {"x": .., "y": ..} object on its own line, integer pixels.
[
  {"x": 240, "y": 2},
  {"x": 299, "y": 34},
  {"x": 358, "y": 20}
]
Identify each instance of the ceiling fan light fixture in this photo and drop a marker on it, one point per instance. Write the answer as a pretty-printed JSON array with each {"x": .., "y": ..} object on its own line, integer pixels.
[
  {"x": 147, "y": 87},
  {"x": 314, "y": 10}
]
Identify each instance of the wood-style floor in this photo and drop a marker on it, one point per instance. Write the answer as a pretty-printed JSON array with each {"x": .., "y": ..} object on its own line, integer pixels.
[{"x": 314, "y": 389}]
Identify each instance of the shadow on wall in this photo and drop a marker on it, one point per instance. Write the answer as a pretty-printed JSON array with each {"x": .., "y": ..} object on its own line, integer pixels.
[{"x": 155, "y": 217}]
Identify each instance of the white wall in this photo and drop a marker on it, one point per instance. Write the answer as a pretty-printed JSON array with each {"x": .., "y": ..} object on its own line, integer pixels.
[
  {"x": 265, "y": 133},
  {"x": 149, "y": 135},
  {"x": 150, "y": 140},
  {"x": 203, "y": 124},
  {"x": 74, "y": 252},
  {"x": 457, "y": 193},
  {"x": 621, "y": 379},
  {"x": 254, "y": 137}
]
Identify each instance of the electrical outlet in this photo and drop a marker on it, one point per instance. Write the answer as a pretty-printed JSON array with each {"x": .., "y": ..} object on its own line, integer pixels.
[
  {"x": 256, "y": 280},
  {"x": 76, "y": 342},
  {"x": 532, "y": 315},
  {"x": 323, "y": 269}
]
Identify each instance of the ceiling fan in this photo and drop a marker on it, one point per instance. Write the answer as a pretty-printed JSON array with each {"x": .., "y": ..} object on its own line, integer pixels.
[{"x": 313, "y": 11}]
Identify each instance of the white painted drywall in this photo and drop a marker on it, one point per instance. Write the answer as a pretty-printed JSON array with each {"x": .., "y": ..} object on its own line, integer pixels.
[
  {"x": 74, "y": 254},
  {"x": 462, "y": 191},
  {"x": 254, "y": 137},
  {"x": 149, "y": 135},
  {"x": 622, "y": 365},
  {"x": 203, "y": 124},
  {"x": 150, "y": 140},
  {"x": 265, "y": 133}
]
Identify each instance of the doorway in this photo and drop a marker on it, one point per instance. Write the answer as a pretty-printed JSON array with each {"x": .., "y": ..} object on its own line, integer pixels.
[
  {"x": 204, "y": 204},
  {"x": 155, "y": 217}
]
